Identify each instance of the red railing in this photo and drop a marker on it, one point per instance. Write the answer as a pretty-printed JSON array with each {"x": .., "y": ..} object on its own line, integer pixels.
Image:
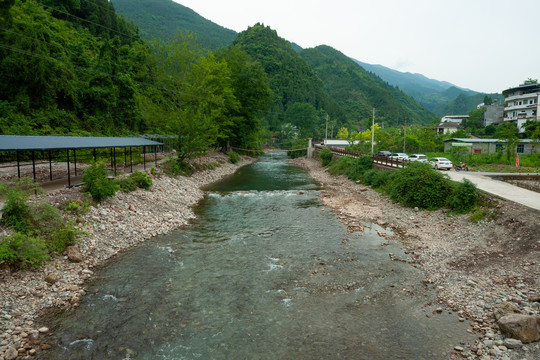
[{"x": 377, "y": 159}]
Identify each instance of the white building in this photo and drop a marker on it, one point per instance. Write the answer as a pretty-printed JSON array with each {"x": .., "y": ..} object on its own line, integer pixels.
[
  {"x": 454, "y": 118},
  {"x": 521, "y": 104}
]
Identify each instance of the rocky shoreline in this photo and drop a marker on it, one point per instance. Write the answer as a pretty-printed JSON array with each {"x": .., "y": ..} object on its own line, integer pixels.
[
  {"x": 115, "y": 225},
  {"x": 480, "y": 271}
]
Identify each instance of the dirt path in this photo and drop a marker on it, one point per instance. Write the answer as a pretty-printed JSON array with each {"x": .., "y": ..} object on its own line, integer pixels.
[{"x": 472, "y": 266}]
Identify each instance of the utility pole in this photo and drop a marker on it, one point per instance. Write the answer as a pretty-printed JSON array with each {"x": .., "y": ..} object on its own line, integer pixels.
[
  {"x": 326, "y": 136},
  {"x": 404, "y": 132},
  {"x": 373, "y": 131}
]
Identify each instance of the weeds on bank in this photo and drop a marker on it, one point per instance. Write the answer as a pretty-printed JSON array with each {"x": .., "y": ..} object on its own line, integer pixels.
[
  {"x": 417, "y": 185},
  {"x": 39, "y": 229}
]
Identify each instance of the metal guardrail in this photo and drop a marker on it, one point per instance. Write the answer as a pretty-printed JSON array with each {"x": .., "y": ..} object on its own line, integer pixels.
[{"x": 377, "y": 159}]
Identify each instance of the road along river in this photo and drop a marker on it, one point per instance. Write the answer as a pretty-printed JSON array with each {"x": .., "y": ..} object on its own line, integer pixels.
[{"x": 266, "y": 272}]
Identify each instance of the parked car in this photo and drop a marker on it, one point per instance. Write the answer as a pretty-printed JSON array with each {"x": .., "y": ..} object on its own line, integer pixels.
[
  {"x": 384, "y": 153},
  {"x": 441, "y": 163},
  {"x": 418, "y": 157},
  {"x": 399, "y": 156}
]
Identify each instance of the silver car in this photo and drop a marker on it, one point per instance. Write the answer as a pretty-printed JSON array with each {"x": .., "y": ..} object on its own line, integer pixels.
[
  {"x": 399, "y": 156},
  {"x": 440, "y": 163},
  {"x": 418, "y": 157}
]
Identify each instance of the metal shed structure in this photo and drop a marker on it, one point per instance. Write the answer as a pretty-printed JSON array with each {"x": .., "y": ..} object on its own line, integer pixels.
[{"x": 33, "y": 144}]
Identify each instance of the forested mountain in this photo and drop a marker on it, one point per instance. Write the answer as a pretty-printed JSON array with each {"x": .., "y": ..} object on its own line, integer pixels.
[
  {"x": 293, "y": 82},
  {"x": 162, "y": 19},
  {"x": 440, "y": 97},
  {"x": 69, "y": 67},
  {"x": 357, "y": 91},
  {"x": 76, "y": 68}
]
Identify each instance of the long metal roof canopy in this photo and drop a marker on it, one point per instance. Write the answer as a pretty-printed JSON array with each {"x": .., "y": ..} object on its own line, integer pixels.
[{"x": 23, "y": 143}]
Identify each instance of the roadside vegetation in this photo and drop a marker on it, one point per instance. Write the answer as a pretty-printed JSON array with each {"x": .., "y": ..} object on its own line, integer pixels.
[{"x": 417, "y": 185}]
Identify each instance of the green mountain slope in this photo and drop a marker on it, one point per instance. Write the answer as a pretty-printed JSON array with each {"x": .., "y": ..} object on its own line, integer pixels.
[
  {"x": 162, "y": 19},
  {"x": 440, "y": 97},
  {"x": 291, "y": 79},
  {"x": 358, "y": 91},
  {"x": 70, "y": 74}
]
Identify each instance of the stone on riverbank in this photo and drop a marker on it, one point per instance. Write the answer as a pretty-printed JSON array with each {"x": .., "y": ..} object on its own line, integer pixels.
[{"x": 525, "y": 328}]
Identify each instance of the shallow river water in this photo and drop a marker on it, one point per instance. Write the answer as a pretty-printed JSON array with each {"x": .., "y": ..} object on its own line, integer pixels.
[{"x": 266, "y": 272}]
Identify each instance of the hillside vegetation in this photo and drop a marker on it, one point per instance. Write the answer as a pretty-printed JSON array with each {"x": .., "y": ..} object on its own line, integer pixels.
[
  {"x": 358, "y": 91},
  {"x": 162, "y": 19}
]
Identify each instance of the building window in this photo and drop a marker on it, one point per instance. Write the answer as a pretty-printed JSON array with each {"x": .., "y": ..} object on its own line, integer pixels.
[
  {"x": 520, "y": 148},
  {"x": 499, "y": 147}
]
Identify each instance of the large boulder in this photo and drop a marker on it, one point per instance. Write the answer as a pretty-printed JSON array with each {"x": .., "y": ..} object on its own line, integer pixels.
[
  {"x": 505, "y": 308},
  {"x": 522, "y": 327},
  {"x": 74, "y": 254}
]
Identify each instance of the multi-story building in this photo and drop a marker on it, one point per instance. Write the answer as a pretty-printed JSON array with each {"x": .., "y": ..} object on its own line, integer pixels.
[{"x": 521, "y": 104}]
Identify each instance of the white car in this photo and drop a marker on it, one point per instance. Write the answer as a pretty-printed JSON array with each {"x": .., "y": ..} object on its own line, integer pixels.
[
  {"x": 441, "y": 163},
  {"x": 399, "y": 156},
  {"x": 418, "y": 157}
]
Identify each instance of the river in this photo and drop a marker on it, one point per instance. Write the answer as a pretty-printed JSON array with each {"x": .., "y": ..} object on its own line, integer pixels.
[{"x": 265, "y": 272}]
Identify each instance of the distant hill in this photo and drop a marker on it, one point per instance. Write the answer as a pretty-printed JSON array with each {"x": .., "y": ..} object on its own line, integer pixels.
[
  {"x": 440, "y": 97},
  {"x": 291, "y": 79},
  {"x": 162, "y": 19},
  {"x": 357, "y": 91}
]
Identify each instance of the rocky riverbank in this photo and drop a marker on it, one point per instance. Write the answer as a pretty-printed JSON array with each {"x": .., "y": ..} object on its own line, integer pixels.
[
  {"x": 113, "y": 226},
  {"x": 481, "y": 271}
]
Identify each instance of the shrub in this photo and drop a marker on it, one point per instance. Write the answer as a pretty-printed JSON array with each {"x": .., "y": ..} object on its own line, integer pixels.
[
  {"x": 141, "y": 180},
  {"x": 326, "y": 156},
  {"x": 16, "y": 210},
  {"x": 234, "y": 157},
  {"x": 464, "y": 198},
  {"x": 177, "y": 167},
  {"x": 381, "y": 178},
  {"x": 341, "y": 166},
  {"x": 127, "y": 185},
  {"x": 22, "y": 251},
  {"x": 77, "y": 207},
  {"x": 97, "y": 183},
  {"x": 418, "y": 185},
  {"x": 61, "y": 238},
  {"x": 359, "y": 166}
]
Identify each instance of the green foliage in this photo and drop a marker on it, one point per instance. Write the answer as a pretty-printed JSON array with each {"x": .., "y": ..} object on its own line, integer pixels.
[
  {"x": 341, "y": 166},
  {"x": 359, "y": 166},
  {"x": 177, "y": 167},
  {"x": 291, "y": 79},
  {"x": 165, "y": 17},
  {"x": 134, "y": 181},
  {"x": 16, "y": 211},
  {"x": 326, "y": 156},
  {"x": 464, "y": 197},
  {"x": 76, "y": 207},
  {"x": 22, "y": 251},
  {"x": 234, "y": 157},
  {"x": 141, "y": 179},
  {"x": 357, "y": 91},
  {"x": 97, "y": 183},
  {"x": 418, "y": 185},
  {"x": 377, "y": 178}
]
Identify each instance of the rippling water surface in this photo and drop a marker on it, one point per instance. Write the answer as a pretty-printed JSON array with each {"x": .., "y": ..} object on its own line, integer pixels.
[{"x": 266, "y": 272}]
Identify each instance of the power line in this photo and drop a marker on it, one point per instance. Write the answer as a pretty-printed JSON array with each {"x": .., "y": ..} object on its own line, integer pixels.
[
  {"x": 67, "y": 51},
  {"x": 88, "y": 21},
  {"x": 43, "y": 57}
]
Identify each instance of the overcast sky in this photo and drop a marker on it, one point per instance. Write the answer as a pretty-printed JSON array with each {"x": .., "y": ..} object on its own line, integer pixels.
[{"x": 483, "y": 45}]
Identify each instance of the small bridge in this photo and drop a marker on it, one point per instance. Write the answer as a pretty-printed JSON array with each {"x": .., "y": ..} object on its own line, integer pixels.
[{"x": 269, "y": 150}]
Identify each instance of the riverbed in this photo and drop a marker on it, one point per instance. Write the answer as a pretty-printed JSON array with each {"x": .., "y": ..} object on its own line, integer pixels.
[{"x": 265, "y": 272}]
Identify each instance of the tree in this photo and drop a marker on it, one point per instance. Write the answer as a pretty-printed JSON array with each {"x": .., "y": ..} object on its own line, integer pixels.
[
  {"x": 343, "y": 133},
  {"x": 531, "y": 81},
  {"x": 508, "y": 134},
  {"x": 475, "y": 120}
]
